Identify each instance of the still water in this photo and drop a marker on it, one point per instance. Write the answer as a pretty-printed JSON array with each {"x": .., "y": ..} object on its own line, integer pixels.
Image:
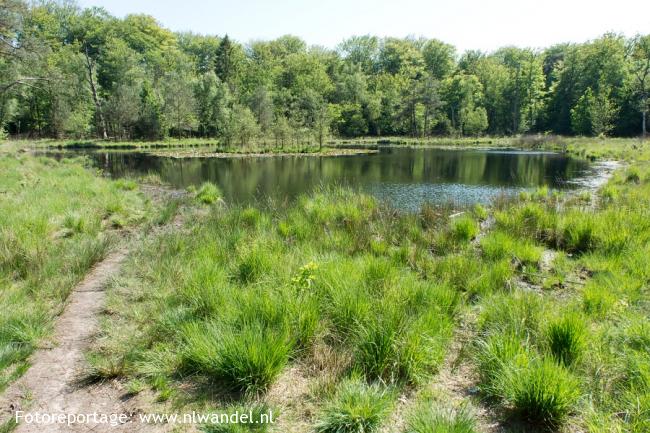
[{"x": 405, "y": 177}]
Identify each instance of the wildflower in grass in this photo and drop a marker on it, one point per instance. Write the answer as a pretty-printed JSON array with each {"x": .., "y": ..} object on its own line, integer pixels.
[{"x": 306, "y": 276}]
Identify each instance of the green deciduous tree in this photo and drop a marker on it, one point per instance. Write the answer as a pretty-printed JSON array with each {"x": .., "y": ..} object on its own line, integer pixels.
[
  {"x": 640, "y": 66},
  {"x": 463, "y": 94},
  {"x": 213, "y": 102},
  {"x": 241, "y": 126},
  {"x": 69, "y": 71},
  {"x": 179, "y": 105},
  {"x": 593, "y": 113},
  {"x": 439, "y": 58},
  {"x": 150, "y": 120}
]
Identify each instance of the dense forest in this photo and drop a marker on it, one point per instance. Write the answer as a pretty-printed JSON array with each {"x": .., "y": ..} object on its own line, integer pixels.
[{"x": 72, "y": 72}]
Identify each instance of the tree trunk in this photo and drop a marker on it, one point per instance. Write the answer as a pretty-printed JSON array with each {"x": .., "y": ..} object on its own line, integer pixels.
[
  {"x": 425, "y": 133},
  {"x": 644, "y": 114},
  {"x": 93, "y": 89}
]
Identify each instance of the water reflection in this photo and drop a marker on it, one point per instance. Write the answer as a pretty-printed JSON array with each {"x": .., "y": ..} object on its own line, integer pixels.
[{"x": 405, "y": 177}]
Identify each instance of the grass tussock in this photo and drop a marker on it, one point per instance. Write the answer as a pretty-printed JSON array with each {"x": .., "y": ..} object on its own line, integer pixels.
[
  {"x": 430, "y": 417},
  {"x": 542, "y": 392},
  {"x": 356, "y": 408},
  {"x": 567, "y": 338},
  {"x": 246, "y": 359},
  {"x": 208, "y": 193}
]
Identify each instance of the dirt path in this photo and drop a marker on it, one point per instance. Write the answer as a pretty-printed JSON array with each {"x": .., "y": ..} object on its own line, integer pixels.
[{"x": 53, "y": 383}]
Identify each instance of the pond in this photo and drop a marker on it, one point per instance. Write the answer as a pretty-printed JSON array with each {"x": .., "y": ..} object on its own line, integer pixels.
[{"x": 404, "y": 177}]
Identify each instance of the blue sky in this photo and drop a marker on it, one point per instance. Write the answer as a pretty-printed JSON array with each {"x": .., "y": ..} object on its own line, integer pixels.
[{"x": 468, "y": 24}]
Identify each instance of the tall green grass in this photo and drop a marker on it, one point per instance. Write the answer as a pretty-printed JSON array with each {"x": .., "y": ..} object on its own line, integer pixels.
[
  {"x": 56, "y": 220},
  {"x": 248, "y": 293},
  {"x": 543, "y": 392},
  {"x": 429, "y": 417},
  {"x": 208, "y": 193},
  {"x": 357, "y": 298},
  {"x": 356, "y": 408},
  {"x": 246, "y": 359},
  {"x": 567, "y": 338}
]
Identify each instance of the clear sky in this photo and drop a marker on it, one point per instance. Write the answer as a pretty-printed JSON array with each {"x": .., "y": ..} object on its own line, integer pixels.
[{"x": 467, "y": 24}]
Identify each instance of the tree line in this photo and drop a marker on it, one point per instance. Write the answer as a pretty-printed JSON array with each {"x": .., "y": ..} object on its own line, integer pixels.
[{"x": 72, "y": 72}]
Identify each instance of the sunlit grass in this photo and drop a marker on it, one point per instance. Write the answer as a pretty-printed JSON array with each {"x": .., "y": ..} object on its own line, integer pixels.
[
  {"x": 356, "y": 408},
  {"x": 55, "y": 223},
  {"x": 369, "y": 300}
]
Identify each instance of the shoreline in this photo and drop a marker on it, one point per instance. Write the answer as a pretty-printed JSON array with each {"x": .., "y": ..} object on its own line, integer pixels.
[{"x": 189, "y": 154}]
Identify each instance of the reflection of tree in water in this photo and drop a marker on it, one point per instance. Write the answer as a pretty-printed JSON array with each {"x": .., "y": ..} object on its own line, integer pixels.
[{"x": 244, "y": 179}]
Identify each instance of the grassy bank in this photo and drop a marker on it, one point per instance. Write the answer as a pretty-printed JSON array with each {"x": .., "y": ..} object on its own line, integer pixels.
[
  {"x": 56, "y": 220},
  {"x": 331, "y": 309},
  {"x": 587, "y": 147},
  {"x": 189, "y": 144}
]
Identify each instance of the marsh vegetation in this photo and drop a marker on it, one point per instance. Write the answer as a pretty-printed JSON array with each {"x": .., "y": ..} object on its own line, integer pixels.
[
  {"x": 339, "y": 312},
  {"x": 362, "y": 306}
]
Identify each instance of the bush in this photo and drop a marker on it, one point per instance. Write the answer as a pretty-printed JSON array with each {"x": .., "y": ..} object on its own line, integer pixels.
[
  {"x": 356, "y": 408},
  {"x": 542, "y": 392},
  {"x": 208, "y": 193},
  {"x": 566, "y": 338},
  {"x": 426, "y": 418}
]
